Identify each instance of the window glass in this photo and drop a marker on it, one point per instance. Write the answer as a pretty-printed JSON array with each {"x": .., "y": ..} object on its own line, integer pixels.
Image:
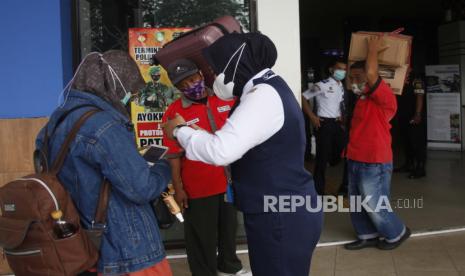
[{"x": 103, "y": 24}]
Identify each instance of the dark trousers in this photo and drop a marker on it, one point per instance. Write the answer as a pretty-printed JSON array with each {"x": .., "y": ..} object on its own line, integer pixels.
[
  {"x": 413, "y": 142},
  {"x": 211, "y": 224},
  {"x": 330, "y": 141},
  {"x": 282, "y": 243},
  {"x": 308, "y": 139},
  {"x": 344, "y": 188}
]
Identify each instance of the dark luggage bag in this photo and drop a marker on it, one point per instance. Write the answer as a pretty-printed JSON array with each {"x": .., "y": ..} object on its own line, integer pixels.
[{"x": 190, "y": 45}]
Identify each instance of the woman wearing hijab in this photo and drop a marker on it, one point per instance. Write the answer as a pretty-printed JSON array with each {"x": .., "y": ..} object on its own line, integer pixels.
[
  {"x": 105, "y": 148},
  {"x": 264, "y": 141}
]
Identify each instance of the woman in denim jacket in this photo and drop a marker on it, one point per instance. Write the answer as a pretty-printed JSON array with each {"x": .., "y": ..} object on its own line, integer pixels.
[{"x": 105, "y": 148}]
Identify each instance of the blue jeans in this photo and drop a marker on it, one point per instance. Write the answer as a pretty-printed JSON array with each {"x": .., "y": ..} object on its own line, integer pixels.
[{"x": 374, "y": 180}]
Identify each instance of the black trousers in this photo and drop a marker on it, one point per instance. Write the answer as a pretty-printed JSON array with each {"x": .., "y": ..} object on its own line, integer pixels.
[
  {"x": 308, "y": 138},
  {"x": 282, "y": 244},
  {"x": 413, "y": 142},
  {"x": 211, "y": 224},
  {"x": 330, "y": 141}
]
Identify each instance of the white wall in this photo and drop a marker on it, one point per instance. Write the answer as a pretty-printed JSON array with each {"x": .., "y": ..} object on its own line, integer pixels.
[{"x": 279, "y": 20}]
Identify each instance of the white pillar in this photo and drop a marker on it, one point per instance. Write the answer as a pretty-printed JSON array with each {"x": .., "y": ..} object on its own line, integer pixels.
[
  {"x": 452, "y": 51},
  {"x": 279, "y": 20}
]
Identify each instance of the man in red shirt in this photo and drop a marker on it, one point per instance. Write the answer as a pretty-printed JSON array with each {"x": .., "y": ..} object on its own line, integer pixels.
[
  {"x": 370, "y": 156},
  {"x": 210, "y": 222}
]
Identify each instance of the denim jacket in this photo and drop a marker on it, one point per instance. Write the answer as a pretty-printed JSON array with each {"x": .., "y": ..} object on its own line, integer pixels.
[{"x": 105, "y": 148}]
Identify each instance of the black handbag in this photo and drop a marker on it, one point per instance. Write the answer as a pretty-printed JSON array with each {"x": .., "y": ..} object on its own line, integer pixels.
[{"x": 164, "y": 217}]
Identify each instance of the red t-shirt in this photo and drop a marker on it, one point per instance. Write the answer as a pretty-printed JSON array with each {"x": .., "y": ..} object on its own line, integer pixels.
[
  {"x": 199, "y": 179},
  {"x": 370, "y": 136}
]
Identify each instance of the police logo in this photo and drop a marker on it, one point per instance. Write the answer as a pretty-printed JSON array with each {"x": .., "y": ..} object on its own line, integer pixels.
[
  {"x": 141, "y": 38},
  {"x": 160, "y": 36}
]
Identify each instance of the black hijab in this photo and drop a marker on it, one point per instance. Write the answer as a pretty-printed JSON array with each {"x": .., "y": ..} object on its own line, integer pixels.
[{"x": 259, "y": 53}]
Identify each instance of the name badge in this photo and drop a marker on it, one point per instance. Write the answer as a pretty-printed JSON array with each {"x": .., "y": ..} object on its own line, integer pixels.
[
  {"x": 193, "y": 121},
  {"x": 225, "y": 108}
]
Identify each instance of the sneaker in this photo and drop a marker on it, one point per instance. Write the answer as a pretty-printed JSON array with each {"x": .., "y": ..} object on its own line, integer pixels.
[{"x": 242, "y": 272}]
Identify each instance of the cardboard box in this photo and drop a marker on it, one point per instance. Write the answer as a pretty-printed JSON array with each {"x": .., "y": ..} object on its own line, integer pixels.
[
  {"x": 394, "y": 76},
  {"x": 397, "y": 54}
]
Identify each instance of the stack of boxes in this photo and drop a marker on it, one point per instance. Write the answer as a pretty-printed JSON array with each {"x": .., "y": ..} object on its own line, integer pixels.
[{"x": 393, "y": 62}]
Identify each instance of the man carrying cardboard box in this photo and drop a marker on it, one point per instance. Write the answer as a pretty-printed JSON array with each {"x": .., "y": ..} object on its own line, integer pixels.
[
  {"x": 393, "y": 61},
  {"x": 369, "y": 156}
]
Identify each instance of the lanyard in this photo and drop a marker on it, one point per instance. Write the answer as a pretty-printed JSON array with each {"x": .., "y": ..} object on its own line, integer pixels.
[{"x": 214, "y": 127}]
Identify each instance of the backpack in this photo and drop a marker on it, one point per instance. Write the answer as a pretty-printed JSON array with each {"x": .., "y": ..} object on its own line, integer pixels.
[{"x": 26, "y": 225}]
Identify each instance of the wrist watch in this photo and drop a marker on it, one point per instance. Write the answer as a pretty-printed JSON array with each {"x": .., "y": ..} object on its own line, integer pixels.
[{"x": 176, "y": 129}]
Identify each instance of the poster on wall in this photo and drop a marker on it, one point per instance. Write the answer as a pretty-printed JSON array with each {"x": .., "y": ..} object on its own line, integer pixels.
[
  {"x": 148, "y": 107},
  {"x": 443, "y": 107}
]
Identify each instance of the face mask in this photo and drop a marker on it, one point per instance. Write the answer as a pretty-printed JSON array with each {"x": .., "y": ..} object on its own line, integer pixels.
[
  {"x": 358, "y": 88},
  {"x": 339, "y": 74},
  {"x": 223, "y": 90},
  {"x": 195, "y": 91},
  {"x": 126, "y": 98}
]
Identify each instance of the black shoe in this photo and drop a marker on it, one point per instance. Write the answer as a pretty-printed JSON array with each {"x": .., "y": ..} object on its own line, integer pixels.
[
  {"x": 416, "y": 175},
  {"x": 360, "y": 244},
  {"x": 419, "y": 172},
  {"x": 384, "y": 245}
]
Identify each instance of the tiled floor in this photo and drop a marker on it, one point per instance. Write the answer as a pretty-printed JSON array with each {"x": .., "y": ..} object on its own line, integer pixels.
[
  {"x": 442, "y": 191},
  {"x": 439, "y": 255},
  {"x": 443, "y": 194}
]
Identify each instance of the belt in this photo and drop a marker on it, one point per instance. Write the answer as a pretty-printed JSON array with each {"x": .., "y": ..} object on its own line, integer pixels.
[{"x": 329, "y": 119}]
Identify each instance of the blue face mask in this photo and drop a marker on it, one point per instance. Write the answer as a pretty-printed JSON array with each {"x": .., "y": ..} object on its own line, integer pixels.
[{"x": 339, "y": 74}]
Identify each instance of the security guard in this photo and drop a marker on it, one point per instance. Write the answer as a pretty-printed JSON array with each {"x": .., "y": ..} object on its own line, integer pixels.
[
  {"x": 411, "y": 127},
  {"x": 328, "y": 121},
  {"x": 156, "y": 96}
]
